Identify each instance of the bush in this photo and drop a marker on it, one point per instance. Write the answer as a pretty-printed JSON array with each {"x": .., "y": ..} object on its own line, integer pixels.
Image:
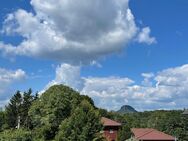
[{"x": 16, "y": 135}]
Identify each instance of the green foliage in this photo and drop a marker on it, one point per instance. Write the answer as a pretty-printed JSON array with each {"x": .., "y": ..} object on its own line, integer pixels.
[
  {"x": 26, "y": 104},
  {"x": 83, "y": 125},
  {"x": 124, "y": 133},
  {"x": 170, "y": 122},
  {"x": 13, "y": 110},
  {"x": 53, "y": 107},
  {"x": 2, "y": 119},
  {"x": 16, "y": 135},
  {"x": 17, "y": 110},
  {"x": 62, "y": 114}
]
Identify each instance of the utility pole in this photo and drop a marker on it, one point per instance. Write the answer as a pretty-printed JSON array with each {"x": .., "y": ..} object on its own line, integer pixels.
[
  {"x": 18, "y": 126},
  {"x": 18, "y": 117}
]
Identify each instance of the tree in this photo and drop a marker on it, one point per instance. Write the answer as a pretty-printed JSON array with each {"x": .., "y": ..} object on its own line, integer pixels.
[
  {"x": 26, "y": 104},
  {"x": 16, "y": 135},
  {"x": 2, "y": 119},
  {"x": 17, "y": 110},
  {"x": 13, "y": 111},
  {"x": 124, "y": 133},
  {"x": 83, "y": 125},
  {"x": 54, "y": 106}
]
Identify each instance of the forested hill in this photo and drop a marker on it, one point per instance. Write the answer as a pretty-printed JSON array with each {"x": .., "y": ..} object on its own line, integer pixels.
[
  {"x": 126, "y": 109},
  {"x": 62, "y": 114}
]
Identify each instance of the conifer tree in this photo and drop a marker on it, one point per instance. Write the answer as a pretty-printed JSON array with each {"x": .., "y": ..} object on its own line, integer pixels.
[
  {"x": 13, "y": 111},
  {"x": 27, "y": 101}
]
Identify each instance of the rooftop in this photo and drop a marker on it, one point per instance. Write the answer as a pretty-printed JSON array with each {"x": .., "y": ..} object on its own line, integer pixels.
[
  {"x": 109, "y": 122},
  {"x": 150, "y": 134},
  {"x": 185, "y": 112}
]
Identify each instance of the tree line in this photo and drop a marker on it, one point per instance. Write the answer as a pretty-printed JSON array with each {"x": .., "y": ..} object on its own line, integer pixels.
[
  {"x": 62, "y": 114},
  {"x": 59, "y": 114}
]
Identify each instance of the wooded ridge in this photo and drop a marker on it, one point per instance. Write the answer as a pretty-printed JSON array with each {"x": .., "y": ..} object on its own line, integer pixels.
[{"x": 62, "y": 114}]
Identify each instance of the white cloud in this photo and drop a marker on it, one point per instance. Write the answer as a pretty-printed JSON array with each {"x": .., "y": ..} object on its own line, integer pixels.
[
  {"x": 3, "y": 103},
  {"x": 8, "y": 77},
  {"x": 168, "y": 89},
  {"x": 72, "y": 31},
  {"x": 107, "y": 92},
  {"x": 173, "y": 76},
  {"x": 67, "y": 75},
  {"x": 148, "y": 75},
  {"x": 144, "y": 36},
  {"x": 147, "y": 79}
]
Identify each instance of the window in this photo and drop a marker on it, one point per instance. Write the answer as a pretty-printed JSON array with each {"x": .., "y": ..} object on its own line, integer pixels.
[{"x": 111, "y": 131}]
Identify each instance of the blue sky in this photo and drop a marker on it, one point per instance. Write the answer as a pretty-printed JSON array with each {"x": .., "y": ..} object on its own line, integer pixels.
[{"x": 143, "y": 62}]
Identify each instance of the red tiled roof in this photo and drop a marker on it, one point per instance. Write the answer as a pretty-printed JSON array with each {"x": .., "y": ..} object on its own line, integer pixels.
[
  {"x": 150, "y": 134},
  {"x": 109, "y": 122}
]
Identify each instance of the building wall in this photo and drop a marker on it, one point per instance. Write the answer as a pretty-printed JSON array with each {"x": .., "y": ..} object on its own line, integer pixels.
[{"x": 111, "y": 133}]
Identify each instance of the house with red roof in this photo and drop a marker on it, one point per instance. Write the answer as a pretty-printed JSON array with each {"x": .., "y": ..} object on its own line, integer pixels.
[
  {"x": 110, "y": 130},
  {"x": 185, "y": 113},
  {"x": 149, "y": 134}
]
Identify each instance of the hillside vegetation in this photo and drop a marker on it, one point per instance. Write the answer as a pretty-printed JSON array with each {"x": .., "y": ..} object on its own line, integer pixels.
[
  {"x": 62, "y": 114},
  {"x": 126, "y": 109}
]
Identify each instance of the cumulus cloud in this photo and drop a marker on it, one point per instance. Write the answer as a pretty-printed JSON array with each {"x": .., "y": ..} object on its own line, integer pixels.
[
  {"x": 167, "y": 89},
  {"x": 107, "y": 92},
  {"x": 68, "y": 75},
  {"x": 3, "y": 103},
  {"x": 147, "y": 79},
  {"x": 8, "y": 77},
  {"x": 144, "y": 36},
  {"x": 72, "y": 31}
]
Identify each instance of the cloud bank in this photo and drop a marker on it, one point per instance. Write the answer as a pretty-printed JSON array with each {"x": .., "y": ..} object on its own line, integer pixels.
[
  {"x": 75, "y": 32},
  {"x": 7, "y": 78},
  {"x": 166, "y": 89}
]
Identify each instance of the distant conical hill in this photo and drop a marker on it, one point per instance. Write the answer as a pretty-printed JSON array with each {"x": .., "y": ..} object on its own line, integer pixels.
[{"x": 126, "y": 109}]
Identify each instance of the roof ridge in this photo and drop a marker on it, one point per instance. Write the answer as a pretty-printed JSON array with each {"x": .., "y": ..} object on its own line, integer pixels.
[
  {"x": 107, "y": 121},
  {"x": 162, "y": 132},
  {"x": 151, "y": 130}
]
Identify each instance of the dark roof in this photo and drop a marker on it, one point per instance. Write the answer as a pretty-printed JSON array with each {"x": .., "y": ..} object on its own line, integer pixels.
[
  {"x": 109, "y": 122},
  {"x": 185, "y": 112},
  {"x": 150, "y": 134}
]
